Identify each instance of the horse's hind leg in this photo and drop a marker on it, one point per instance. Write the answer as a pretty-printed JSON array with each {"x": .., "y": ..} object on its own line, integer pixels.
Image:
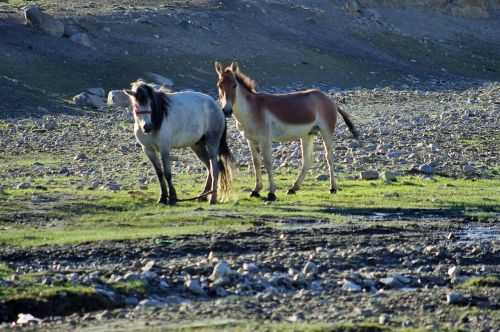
[
  {"x": 167, "y": 169},
  {"x": 328, "y": 144},
  {"x": 212, "y": 150},
  {"x": 307, "y": 144},
  {"x": 153, "y": 157},
  {"x": 201, "y": 151}
]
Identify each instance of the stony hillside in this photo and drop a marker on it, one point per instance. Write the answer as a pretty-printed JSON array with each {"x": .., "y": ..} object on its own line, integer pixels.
[{"x": 282, "y": 44}]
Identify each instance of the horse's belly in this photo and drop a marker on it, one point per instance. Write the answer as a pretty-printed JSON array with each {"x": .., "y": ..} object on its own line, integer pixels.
[
  {"x": 186, "y": 133},
  {"x": 286, "y": 132}
]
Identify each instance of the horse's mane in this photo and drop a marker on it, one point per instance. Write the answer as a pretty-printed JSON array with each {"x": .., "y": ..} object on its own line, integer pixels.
[
  {"x": 246, "y": 81},
  {"x": 159, "y": 99}
]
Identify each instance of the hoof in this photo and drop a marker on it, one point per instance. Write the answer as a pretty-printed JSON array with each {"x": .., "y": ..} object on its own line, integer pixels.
[
  {"x": 271, "y": 197},
  {"x": 255, "y": 194},
  {"x": 291, "y": 191},
  {"x": 172, "y": 201},
  {"x": 333, "y": 191},
  {"x": 163, "y": 200}
]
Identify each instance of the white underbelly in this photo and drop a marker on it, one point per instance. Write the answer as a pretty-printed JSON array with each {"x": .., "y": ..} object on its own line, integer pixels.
[{"x": 287, "y": 132}]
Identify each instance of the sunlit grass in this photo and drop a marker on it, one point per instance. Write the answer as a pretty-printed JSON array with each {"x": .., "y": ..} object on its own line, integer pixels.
[{"x": 73, "y": 216}]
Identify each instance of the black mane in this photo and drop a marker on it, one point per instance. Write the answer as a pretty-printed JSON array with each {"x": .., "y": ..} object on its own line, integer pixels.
[{"x": 158, "y": 100}]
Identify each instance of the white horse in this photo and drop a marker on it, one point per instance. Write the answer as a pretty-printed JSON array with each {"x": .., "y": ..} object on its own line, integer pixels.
[
  {"x": 265, "y": 118},
  {"x": 165, "y": 120}
]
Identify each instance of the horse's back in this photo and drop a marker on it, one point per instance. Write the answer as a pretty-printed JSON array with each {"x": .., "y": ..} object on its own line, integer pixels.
[{"x": 191, "y": 115}]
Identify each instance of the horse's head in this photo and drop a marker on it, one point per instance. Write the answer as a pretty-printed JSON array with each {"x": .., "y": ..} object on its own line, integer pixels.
[
  {"x": 227, "y": 84},
  {"x": 141, "y": 98}
]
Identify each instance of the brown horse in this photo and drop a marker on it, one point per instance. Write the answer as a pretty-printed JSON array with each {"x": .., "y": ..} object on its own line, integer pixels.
[{"x": 265, "y": 118}]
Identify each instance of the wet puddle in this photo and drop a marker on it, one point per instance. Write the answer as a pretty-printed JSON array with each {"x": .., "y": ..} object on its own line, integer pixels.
[{"x": 479, "y": 233}]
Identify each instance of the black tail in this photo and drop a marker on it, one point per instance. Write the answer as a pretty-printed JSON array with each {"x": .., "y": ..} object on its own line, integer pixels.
[
  {"x": 348, "y": 122},
  {"x": 225, "y": 165}
]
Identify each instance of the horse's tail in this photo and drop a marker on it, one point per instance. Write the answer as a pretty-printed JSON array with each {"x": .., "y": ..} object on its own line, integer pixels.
[
  {"x": 348, "y": 122},
  {"x": 225, "y": 165}
]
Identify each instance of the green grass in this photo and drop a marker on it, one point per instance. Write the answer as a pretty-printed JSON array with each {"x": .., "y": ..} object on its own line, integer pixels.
[
  {"x": 4, "y": 271},
  {"x": 490, "y": 281},
  {"x": 30, "y": 290},
  {"x": 137, "y": 287},
  {"x": 239, "y": 326},
  {"x": 74, "y": 216}
]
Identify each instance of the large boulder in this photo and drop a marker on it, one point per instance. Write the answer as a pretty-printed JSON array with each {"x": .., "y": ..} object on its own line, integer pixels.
[
  {"x": 42, "y": 21},
  {"x": 118, "y": 98},
  {"x": 93, "y": 97},
  {"x": 161, "y": 80}
]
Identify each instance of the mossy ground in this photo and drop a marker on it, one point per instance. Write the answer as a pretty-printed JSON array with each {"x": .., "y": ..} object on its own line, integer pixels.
[{"x": 53, "y": 212}]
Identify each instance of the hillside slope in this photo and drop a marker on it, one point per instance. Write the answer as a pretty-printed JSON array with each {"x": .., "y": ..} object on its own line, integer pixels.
[{"x": 280, "y": 43}]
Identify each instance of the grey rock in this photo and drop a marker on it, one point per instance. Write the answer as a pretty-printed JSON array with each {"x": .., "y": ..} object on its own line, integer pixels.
[
  {"x": 369, "y": 175},
  {"x": 49, "y": 124},
  {"x": 96, "y": 92},
  {"x": 86, "y": 99},
  {"x": 351, "y": 286},
  {"x": 250, "y": 267},
  {"x": 81, "y": 38},
  {"x": 469, "y": 170},
  {"x": 384, "y": 319},
  {"x": 25, "y": 319},
  {"x": 104, "y": 315},
  {"x": 392, "y": 282},
  {"x": 131, "y": 301},
  {"x": 426, "y": 169},
  {"x": 221, "y": 271},
  {"x": 389, "y": 177},
  {"x": 148, "y": 266},
  {"x": 194, "y": 286},
  {"x": 39, "y": 20},
  {"x": 113, "y": 186},
  {"x": 118, "y": 98},
  {"x": 24, "y": 185},
  {"x": 161, "y": 80},
  {"x": 131, "y": 276},
  {"x": 81, "y": 157},
  {"x": 455, "y": 298},
  {"x": 454, "y": 271},
  {"x": 151, "y": 303},
  {"x": 310, "y": 267}
]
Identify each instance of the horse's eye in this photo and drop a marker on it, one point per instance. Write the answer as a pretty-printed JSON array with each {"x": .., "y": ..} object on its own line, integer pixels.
[{"x": 234, "y": 86}]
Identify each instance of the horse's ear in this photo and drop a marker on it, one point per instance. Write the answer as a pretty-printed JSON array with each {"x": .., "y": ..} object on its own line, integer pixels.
[
  {"x": 234, "y": 67},
  {"x": 218, "y": 67}
]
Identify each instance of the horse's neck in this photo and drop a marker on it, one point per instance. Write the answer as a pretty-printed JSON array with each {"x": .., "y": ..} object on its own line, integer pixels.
[{"x": 243, "y": 108}]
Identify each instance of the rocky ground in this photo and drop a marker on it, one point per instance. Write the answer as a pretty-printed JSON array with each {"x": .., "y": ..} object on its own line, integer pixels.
[
  {"x": 428, "y": 274},
  {"x": 440, "y": 128},
  {"x": 399, "y": 270}
]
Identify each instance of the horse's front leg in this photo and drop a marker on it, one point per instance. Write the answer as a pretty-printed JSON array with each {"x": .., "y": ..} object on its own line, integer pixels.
[
  {"x": 153, "y": 157},
  {"x": 268, "y": 164},
  {"x": 254, "y": 149},
  {"x": 167, "y": 169}
]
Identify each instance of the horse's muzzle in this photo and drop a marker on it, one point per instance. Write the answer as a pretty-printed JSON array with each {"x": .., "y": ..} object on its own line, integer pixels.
[
  {"x": 147, "y": 128},
  {"x": 228, "y": 112}
]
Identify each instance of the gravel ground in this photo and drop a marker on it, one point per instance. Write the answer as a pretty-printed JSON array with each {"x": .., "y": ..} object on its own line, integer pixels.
[
  {"x": 399, "y": 273},
  {"x": 428, "y": 128},
  {"x": 408, "y": 275}
]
